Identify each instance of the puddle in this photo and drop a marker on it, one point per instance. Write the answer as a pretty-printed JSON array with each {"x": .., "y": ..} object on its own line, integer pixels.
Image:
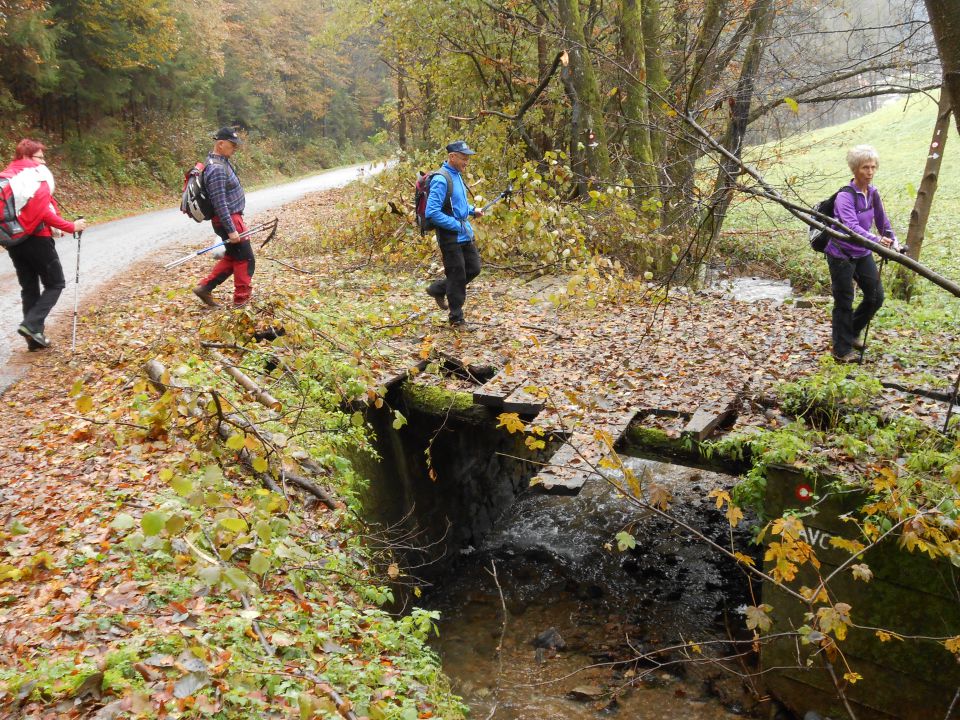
[
  {"x": 558, "y": 567},
  {"x": 752, "y": 289}
]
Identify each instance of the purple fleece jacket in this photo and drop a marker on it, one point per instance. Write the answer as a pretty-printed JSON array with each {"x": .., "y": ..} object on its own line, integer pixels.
[{"x": 859, "y": 212}]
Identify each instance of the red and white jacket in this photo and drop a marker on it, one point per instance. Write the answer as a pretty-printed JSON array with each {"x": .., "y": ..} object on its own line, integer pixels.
[{"x": 33, "y": 187}]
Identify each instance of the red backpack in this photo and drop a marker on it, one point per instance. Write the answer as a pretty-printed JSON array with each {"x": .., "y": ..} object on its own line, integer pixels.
[
  {"x": 422, "y": 191},
  {"x": 11, "y": 231}
]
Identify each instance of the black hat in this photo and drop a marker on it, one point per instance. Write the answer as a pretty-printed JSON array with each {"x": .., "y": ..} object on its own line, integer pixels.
[
  {"x": 228, "y": 133},
  {"x": 460, "y": 146}
]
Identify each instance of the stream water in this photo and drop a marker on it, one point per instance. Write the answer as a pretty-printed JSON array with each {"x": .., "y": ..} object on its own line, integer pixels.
[{"x": 560, "y": 576}]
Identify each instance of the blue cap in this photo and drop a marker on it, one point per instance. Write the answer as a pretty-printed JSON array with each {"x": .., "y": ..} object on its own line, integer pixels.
[{"x": 460, "y": 146}]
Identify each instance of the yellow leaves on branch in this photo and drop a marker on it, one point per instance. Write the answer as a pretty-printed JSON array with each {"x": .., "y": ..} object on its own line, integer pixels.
[
  {"x": 835, "y": 619},
  {"x": 511, "y": 421},
  {"x": 953, "y": 645},
  {"x": 734, "y": 513}
]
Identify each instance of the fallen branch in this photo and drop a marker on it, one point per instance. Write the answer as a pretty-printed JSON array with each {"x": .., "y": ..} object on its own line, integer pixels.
[
  {"x": 343, "y": 706},
  {"x": 310, "y": 487},
  {"x": 261, "y": 396}
]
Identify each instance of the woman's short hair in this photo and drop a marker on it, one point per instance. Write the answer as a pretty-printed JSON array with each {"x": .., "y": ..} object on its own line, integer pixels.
[
  {"x": 27, "y": 148},
  {"x": 860, "y": 154}
]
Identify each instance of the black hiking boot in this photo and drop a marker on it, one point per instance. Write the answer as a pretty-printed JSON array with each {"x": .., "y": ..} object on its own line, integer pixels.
[{"x": 38, "y": 337}]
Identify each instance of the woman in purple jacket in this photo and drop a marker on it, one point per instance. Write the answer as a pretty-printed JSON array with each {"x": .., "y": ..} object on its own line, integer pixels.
[{"x": 858, "y": 207}]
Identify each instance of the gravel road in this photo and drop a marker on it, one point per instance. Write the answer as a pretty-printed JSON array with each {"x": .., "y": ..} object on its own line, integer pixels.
[{"x": 110, "y": 248}]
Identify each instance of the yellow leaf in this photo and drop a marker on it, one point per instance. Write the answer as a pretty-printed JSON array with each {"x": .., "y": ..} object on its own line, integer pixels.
[
  {"x": 792, "y": 104},
  {"x": 734, "y": 515},
  {"x": 953, "y": 645},
  {"x": 744, "y": 559},
  {"x": 235, "y": 442},
  {"x": 511, "y": 421},
  {"x": 84, "y": 404},
  {"x": 260, "y": 465},
  {"x": 852, "y": 677}
]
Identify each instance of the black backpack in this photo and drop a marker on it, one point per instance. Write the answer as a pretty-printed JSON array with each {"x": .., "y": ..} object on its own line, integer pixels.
[
  {"x": 11, "y": 231},
  {"x": 422, "y": 190},
  {"x": 195, "y": 202},
  {"x": 819, "y": 238}
]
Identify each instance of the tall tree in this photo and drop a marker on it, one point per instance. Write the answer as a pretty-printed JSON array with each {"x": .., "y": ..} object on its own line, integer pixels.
[{"x": 945, "y": 22}]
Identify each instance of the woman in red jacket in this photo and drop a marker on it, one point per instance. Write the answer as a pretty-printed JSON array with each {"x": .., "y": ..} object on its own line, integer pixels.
[{"x": 35, "y": 257}]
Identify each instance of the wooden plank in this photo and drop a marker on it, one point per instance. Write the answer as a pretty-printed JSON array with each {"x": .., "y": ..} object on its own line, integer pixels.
[
  {"x": 522, "y": 402},
  {"x": 567, "y": 470},
  {"x": 390, "y": 378},
  {"x": 493, "y": 393},
  {"x": 707, "y": 418}
]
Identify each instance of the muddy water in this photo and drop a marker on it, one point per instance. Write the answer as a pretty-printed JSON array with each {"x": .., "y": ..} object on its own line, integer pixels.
[{"x": 556, "y": 569}]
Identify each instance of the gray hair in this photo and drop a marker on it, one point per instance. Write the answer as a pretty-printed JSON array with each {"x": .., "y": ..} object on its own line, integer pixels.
[{"x": 860, "y": 154}]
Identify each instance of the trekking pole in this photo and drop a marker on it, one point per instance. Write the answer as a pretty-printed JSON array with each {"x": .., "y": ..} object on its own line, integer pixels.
[
  {"x": 76, "y": 293},
  {"x": 951, "y": 403},
  {"x": 271, "y": 225},
  {"x": 505, "y": 194},
  {"x": 866, "y": 330}
]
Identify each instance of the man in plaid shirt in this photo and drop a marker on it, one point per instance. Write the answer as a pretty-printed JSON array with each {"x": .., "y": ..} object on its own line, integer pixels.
[{"x": 228, "y": 200}]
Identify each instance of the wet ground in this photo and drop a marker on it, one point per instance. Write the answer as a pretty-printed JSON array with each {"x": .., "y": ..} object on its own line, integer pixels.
[{"x": 558, "y": 567}]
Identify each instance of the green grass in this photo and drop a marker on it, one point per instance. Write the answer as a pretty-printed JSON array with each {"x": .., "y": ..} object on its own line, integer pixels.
[{"x": 810, "y": 166}]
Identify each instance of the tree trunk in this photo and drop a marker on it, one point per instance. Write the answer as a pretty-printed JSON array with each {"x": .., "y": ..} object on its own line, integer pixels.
[
  {"x": 763, "y": 12},
  {"x": 903, "y": 285},
  {"x": 401, "y": 109},
  {"x": 636, "y": 104},
  {"x": 656, "y": 76},
  {"x": 587, "y": 129},
  {"x": 945, "y": 22}
]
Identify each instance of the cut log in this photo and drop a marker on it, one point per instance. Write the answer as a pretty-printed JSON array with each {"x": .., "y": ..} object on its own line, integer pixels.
[{"x": 708, "y": 418}]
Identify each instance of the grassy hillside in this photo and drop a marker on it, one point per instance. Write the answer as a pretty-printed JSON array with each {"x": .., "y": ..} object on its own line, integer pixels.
[{"x": 810, "y": 166}]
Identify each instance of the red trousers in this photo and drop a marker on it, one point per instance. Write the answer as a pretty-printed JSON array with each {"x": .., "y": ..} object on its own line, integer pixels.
[{"x": 238, "y": 261}]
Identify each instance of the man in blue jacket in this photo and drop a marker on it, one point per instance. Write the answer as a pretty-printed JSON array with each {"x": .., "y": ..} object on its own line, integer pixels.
[{"x": 461, "y": 261}]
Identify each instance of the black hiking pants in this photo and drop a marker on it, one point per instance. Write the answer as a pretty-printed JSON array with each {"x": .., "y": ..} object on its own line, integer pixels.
[
  {"x": 847, "y": 322},
  {"x": 461, "y": 264},
  {"x": 37, "y": 263}
]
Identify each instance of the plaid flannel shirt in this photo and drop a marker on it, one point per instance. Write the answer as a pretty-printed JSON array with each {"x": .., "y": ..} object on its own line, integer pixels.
[{"x": 224, "y": 190}]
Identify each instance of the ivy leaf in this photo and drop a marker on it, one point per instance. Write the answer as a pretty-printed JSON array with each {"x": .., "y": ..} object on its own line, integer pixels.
[{"x": 152, "y": 523}]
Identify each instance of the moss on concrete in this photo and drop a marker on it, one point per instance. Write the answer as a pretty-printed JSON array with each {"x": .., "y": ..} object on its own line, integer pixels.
[{"x": 432, "y": 399}]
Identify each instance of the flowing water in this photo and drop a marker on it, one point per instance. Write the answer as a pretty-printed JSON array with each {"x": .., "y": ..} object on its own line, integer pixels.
[{"x": 560, "y": 576}]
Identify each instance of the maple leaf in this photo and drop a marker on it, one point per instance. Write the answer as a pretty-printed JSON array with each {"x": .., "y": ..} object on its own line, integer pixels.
[
  {"x": 758, "y": 617},
  {"x": 510, "y": 421},
  {"x": 862, "y": 571}
]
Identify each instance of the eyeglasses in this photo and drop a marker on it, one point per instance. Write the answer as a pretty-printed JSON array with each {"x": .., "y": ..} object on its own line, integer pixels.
[{"x": 39, "y": 158}]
